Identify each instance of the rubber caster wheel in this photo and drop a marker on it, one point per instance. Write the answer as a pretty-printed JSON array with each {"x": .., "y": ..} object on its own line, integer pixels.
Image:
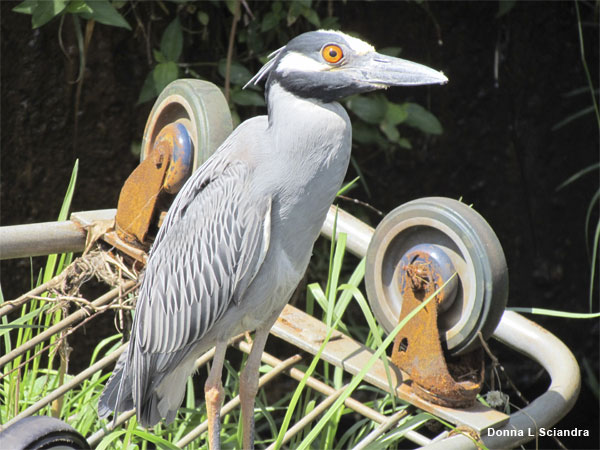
[
  {"x": 41, "y": 433},
  {"x": 458, "y": 240},
  {"x": 202, "y": 110}
]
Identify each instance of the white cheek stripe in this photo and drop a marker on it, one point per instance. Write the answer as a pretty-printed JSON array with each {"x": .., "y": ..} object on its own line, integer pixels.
[{"x": 295, "y": 61}]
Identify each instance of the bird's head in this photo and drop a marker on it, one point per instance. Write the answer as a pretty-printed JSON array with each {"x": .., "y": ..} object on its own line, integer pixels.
[{"x": 330, "y": 65}]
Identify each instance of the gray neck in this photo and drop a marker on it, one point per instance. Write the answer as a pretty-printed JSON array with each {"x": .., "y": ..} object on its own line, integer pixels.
[{"x": 312, "y": 140}]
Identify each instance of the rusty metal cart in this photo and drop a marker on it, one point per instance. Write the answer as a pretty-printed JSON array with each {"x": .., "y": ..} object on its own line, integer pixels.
[{"x": 435, "y": 260}]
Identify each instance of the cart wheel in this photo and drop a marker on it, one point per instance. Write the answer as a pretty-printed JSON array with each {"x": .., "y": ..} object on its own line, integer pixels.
[
  {"x": 201, "y": 117},
  {"x": 41, "y": 432},
  {"x": 456, "y": 237}
]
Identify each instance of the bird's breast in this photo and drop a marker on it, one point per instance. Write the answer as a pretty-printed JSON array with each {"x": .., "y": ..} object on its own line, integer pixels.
[{"x": 312, "y": 160}]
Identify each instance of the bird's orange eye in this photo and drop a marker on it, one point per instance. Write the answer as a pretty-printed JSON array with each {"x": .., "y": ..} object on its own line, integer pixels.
[{"x": 332, "y": 53}]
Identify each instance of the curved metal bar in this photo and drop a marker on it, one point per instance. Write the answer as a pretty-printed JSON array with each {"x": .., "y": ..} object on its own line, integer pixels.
[
  {"x": 519, "y": 333},
  {"x": 514, "y": 330},
  {"x": 545, "y": 411}
]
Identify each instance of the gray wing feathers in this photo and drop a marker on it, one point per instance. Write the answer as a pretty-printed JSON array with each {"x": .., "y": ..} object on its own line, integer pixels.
[
  {"x": 208, "y": 251},
  {"x": 211, "y": 246}
]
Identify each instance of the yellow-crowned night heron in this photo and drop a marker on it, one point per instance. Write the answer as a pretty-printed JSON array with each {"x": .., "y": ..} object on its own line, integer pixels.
[{"x": 239, "y": 235}]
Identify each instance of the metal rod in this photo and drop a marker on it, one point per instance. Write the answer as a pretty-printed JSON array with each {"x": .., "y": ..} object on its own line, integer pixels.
[
  {"x": 233, "y": 403},
  {"x": 346, "y": 223},
  {"x": 61, "y": 390},
  {"x": 18, "y": 302},
  {"x": 325, "y": 389},
  {"x": 351, "y": 403},
  {"x": 66, "y": 322},
  {"x": 308, "y": 418},
  {"x": 38, "y": 239},
  {"x": 513, "y": 330},
  {"x": 95, "y": 438},
  {"x": 19, "y": 241},
  {"x": 382, "y": 428},
  {"x": 306, "y": 332}
]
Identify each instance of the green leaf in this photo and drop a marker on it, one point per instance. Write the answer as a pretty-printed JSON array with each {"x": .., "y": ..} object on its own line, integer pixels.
[
  {"x": 420, "y": 118},
  {"x": 41, "y": 12},
  {"x": 171, "y": 43},
  {"x": 78, "y": 7},
  {"x": 202, "y": 17},
  {"x": 371, "y": 109},
  {"x": 404, "y": 143},
  {"x": 312, "y": 16},
  {"x": 230, "y": 6},
  {"x": 247, "y": 98},
  {"x": 276, "y": 7},
  {"x": 270, "y": 21},
  {"x": 395, "y": 113},
  {"x": 390, "y": 51},
  {"x": 367, "y": 135},
  {"x": 504, "y": 7},
  {"x": 238, "y": 75},
  {"x": 103, "y": 12},
  {"x": 293, "y": 13},
  {"x": 390, "y": 131},
  {"x": 148, "y": 91},
  {"x": 159, "y": 57},
  {"x": 330, "y": 23},
  {"x": 163, "y": 74},
  {"x": 26, "y": 7}
]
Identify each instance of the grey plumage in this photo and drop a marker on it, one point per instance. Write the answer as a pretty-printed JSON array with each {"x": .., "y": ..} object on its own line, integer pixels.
[{"x": 239, "y": 235}]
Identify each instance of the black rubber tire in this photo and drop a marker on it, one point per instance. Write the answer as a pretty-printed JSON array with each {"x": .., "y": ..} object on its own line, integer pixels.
[
  {"x": 200, "y": 106},
  {"x": 41, "y": 433}
]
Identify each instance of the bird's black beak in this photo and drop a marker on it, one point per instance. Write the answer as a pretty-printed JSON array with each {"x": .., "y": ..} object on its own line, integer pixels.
[{"x": 382, "y": 71}]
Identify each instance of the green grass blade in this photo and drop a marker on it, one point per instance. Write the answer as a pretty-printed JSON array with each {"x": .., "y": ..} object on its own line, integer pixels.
[
  {"x": 366, "y": 310},
  {"x": 348, "y": 186},
  {"x": 356, "y": 380},
  {"x": 332, "y": 284},
  {"x": 362, "y": 179},
  {"x": 594, "y": 259},
  {"x": 23, "y": 321},
  {"x": 554, "y": 313},
  {"x": 588, "y": 218},
  {"x": 298, "y": 392},
  {"x": 578, "y": 175},
  {"x": 63, "y": 214},
  {"x": 585, "y": 67},
  {"x": 572, "y": 117}
]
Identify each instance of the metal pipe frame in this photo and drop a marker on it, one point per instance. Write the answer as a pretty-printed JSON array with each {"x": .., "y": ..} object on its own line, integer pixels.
[{"x": 514, "y": 331}]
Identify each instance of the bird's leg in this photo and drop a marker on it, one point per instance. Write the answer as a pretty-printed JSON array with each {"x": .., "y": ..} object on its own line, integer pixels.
[
  {"x": 213, "y": 394},
  {"x": 249, "y": 383}
]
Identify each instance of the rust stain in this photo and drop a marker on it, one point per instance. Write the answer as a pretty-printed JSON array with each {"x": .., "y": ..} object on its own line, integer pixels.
[
  {"x": 443, "y": 380},
  {"x": 141, "y": 199},
  {"x": 289, "y": 324}
]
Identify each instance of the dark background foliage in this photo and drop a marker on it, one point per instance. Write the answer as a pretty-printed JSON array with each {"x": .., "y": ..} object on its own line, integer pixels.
[{"x": 498, "y": 150}]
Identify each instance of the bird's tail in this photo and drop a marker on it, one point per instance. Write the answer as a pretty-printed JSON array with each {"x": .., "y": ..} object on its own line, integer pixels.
[
  {"x": 160, "y": 398},
  {"x": 116, "y": 395}
]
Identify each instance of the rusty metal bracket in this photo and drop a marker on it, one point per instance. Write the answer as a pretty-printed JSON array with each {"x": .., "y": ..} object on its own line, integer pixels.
[
  {"x": 452, "y": 381},
  {"x": 163, "y": 172}
]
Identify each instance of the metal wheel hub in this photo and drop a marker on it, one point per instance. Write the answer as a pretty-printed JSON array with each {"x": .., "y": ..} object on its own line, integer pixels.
[{"x": 455, "y": 238}]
